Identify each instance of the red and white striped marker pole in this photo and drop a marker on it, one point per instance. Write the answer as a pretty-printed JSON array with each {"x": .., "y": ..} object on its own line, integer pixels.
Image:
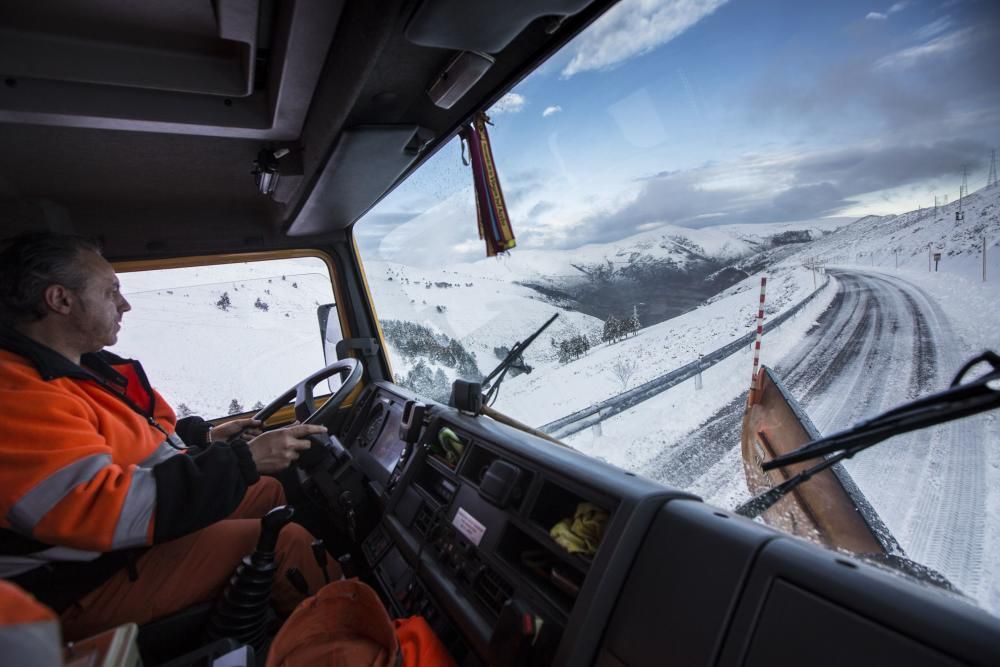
[{"x": 760, "y": 334}]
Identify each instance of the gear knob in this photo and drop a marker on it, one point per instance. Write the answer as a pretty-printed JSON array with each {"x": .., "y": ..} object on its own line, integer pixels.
[{"x": 270, "y": 527}]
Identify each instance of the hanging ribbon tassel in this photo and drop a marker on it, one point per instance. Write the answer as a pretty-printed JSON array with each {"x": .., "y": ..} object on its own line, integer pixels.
[{"x": 491, "y": 211}]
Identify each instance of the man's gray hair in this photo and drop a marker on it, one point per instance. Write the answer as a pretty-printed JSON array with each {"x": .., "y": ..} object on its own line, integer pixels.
[{"x": 30, "y": 263}]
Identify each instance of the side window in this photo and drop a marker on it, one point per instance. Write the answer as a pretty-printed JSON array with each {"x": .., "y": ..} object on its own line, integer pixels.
[{"x": 227, "y": 338}]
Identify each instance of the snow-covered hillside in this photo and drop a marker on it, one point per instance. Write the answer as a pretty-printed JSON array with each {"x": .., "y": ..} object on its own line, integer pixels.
[{"x": 203, "y": 356}]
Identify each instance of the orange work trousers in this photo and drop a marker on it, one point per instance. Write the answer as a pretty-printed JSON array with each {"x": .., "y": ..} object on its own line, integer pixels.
[{"x": 195, "y": 568}]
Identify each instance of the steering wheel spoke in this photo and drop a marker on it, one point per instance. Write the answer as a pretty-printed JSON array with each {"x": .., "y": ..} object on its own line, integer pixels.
[{"x": 350, "y": 371}]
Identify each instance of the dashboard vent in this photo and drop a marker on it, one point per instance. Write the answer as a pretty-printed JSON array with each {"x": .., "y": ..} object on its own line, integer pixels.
[
  {"x": 492, "y": 590},
  {"x": 423, "y": 522}
]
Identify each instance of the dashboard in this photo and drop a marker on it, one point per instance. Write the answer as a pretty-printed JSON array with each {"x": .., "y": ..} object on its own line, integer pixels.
[{"x": 461, "y": 514}]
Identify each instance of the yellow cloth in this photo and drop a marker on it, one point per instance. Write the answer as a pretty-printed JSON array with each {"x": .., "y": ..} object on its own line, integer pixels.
[{"x": 582, "y": 534}]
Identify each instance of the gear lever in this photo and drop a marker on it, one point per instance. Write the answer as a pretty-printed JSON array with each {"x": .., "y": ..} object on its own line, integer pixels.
[
  {"x": 242, "y": 610},
  {"x": 319, "y": 553}
]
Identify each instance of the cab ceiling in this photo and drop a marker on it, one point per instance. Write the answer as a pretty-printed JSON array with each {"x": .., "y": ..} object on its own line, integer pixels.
[{"x": 140, "y": 122}]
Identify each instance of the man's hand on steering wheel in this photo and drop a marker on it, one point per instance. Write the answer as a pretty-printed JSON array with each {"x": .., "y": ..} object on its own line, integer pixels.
[
  {"x": 248, "y": 427},
  {"x": 275, "y": 450}
]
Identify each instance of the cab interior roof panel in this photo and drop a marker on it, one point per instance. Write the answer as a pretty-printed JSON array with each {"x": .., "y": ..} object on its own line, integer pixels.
[
  {"x": 488, "y": 27},
  {"x": 143, "y": 114}
]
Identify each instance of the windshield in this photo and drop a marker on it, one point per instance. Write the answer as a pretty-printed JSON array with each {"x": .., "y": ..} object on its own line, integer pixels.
[{"x": 658, "y": 169}]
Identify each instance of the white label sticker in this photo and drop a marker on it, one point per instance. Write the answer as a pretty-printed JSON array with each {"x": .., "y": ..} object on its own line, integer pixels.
[{"x": 468, "y": 526}]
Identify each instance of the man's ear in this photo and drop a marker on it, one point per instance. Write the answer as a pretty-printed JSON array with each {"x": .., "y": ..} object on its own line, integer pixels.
[{"x": 58, "y": 299}]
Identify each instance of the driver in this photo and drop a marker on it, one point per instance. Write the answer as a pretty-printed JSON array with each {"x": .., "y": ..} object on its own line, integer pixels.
[{"x": 112, "y": 510}]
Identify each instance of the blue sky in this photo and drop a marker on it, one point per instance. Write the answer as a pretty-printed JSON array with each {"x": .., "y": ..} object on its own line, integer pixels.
[{"x": 705, "y": 112}]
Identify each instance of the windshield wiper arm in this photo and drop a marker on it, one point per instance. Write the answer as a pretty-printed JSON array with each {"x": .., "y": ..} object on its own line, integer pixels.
[
  {"x": 500, "y": 372},
  {"x": 959, "y": 400}
]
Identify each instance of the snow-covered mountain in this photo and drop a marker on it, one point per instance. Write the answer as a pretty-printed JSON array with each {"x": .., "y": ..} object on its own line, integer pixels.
[
  {"x": 488, "y": 305},
  {"x": 666, "y": 271}
]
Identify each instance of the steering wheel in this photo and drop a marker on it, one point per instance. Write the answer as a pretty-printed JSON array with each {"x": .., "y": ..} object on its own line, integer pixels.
[
  {"x": 350, "y": 371},
  {"x": 307, "y": 413},
  {"x": 314, "y": 461}
]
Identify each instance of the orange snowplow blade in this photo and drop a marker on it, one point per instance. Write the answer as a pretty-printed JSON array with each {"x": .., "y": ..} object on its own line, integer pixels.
[{"x": 829, "y": 508}]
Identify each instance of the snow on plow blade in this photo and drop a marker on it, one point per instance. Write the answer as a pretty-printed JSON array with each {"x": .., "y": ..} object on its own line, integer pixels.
[{"x": 829, "y": 508}]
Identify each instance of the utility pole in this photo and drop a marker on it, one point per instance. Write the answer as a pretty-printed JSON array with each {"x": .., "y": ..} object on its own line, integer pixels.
[
  {"x": 935, "y": 206},
  {"x": 991, "y": 180},
  {"x": 984, "y": 259},
  {"x": 895, "y": 254},
  {"x": 928, "y": 258},
  {"x": 960, "y": 214}
]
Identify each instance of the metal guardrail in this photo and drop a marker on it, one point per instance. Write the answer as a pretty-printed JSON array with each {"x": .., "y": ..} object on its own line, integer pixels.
[{"x": 581, "y": 419}]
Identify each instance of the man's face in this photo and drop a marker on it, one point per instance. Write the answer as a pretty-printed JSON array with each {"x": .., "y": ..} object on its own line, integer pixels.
[{"x": 99, "y": 304}]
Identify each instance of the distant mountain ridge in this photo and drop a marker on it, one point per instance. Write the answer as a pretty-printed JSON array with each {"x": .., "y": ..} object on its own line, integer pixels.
[{"x": 610, "y": 279}]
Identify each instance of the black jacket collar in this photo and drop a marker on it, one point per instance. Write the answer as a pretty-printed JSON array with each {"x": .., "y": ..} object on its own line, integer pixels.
[{"x": 52, "y": 365}]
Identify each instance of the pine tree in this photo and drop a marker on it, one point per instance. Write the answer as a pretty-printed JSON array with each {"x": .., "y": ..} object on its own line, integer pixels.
[
  {"x": 633, "y": 322},
  {"x": 257, "y": 406},
  {"x": 224, "y": 303},
  {"x": 612, "y": 329},
  {"x": 183, "y": 410},
  {"x": 260, "y": 305},
  {"x": 234, "y": 407},
  {"x": 606, "y": 334},
  {"x": 565, "y": 351}
]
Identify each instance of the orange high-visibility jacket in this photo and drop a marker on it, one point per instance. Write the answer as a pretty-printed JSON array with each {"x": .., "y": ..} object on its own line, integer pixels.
[
  {"x": 89, "y": 463},
  {"x": 29, "y": 631}
]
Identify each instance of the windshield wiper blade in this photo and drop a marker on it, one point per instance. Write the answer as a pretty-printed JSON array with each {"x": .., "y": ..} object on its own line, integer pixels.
[
  {"x": 959, "y": 400},
  {"x": 513, "y": 357}
]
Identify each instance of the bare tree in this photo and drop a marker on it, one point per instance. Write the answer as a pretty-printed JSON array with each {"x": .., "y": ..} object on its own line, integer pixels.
[{"x": 623, "y": 370}]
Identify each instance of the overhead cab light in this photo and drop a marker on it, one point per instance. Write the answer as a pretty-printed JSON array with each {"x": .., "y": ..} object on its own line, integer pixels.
[
  {"x": 459, "y": 77},
  {"x": 265, "y": 169}
]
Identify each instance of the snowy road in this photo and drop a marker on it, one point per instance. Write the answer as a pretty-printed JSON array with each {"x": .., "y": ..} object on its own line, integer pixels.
[{"x": 881, "y": 342}]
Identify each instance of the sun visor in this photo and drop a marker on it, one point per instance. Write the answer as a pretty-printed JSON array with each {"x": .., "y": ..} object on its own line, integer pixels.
[
  {"x": 487, "y": 26},
  {"x": 365, "y": 163}
]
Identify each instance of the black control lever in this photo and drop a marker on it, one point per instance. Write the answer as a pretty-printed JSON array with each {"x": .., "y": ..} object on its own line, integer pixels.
[
  {"x": 241, "y": 611},
  {"x": 270, "y": 527},
  {"x": 347, "y": 566},
  {"x": 319, "y": 553}
]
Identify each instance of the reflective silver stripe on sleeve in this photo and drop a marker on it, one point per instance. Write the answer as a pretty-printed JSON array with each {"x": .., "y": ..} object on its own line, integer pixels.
[
  {"x": 29, "y": 510},
  {"x": 136, "y": 513},
  {"x": 163, "y": 451},
  {"x": 11, "y": 566},
  {"x": 38, "y": 643},
  {"x": 176, "y": 441}
]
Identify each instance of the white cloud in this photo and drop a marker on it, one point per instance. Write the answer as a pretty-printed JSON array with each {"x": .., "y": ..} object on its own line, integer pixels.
[
  {"x": 881, "y": 16},
  {"x": 509, "y": 103},
  {"x": 551, "y": 110},
  {"x": 935, "y": 47},
  {"x": 632, "y": 28},
  {"x": 935, "y": 28}
]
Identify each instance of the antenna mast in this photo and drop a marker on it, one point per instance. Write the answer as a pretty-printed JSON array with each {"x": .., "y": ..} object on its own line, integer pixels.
[{"x": 991, "y": 180}]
